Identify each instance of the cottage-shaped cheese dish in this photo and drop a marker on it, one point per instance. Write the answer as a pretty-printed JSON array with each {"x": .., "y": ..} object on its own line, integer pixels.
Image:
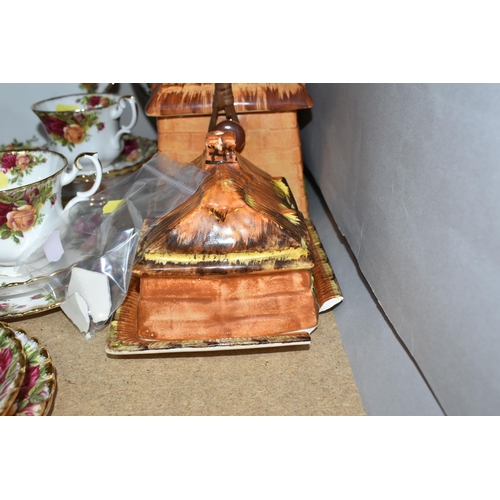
[{"x": 234, "y": 265}]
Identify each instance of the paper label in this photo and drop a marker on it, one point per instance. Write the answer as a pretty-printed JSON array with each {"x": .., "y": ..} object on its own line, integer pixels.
[
  {"x": 53, "y": 247},
  {"x": 111, "y": 206}
]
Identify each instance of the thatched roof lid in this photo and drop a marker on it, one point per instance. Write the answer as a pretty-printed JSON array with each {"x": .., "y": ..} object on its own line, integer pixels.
[
  {"x": 240, "y": 218},
  {"x": 177, "y": 99}
]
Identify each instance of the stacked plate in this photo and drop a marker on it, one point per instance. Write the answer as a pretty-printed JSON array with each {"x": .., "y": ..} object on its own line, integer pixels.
[{"x": 27, "y": 376}]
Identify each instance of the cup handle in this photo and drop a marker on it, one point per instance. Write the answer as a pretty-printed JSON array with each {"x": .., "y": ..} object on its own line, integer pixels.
[
  {"x": 117, "y": 112},
  {"x": 71, "y": 175}
]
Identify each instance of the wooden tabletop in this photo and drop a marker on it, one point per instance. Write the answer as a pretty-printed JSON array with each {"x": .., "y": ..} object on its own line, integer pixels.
[{"x": 301, "y": 380}]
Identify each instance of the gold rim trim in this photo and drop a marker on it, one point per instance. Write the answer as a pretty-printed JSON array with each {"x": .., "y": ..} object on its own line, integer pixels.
[
  {"x": 35, "y": 310},
  {"x": 37, "y": 278},
  {"x": 33, "y": 151},
  {"x": 76, "y": 94}
]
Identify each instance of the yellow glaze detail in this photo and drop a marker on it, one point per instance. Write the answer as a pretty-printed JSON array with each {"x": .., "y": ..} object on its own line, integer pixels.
[
  {"x": 292, "y": 217},
  {"x": 282, "y": 189},
  {"x": 291, "y": 254}
]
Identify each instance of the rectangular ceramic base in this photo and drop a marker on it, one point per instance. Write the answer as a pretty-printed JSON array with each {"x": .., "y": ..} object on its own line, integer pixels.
[
  {"x": 125, "y": 334},
  {"x": 117, "y": 346}
]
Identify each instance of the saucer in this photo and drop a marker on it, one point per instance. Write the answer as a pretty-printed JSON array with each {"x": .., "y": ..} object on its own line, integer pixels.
[
  {"x": 36, "y": 394},
  {"x": 12, "y": 367},
  {"x": 35, "y": 295}
]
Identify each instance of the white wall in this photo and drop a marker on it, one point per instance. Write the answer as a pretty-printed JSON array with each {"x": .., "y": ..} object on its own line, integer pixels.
[
  {"x": 411, "y": 175},
  {"x": 386, "y": 376}
]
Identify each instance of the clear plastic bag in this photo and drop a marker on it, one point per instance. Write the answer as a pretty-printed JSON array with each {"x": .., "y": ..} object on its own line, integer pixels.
[{"x": 86, "y": 262}]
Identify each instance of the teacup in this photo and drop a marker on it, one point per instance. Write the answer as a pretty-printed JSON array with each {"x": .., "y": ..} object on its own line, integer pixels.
[
  {"x": 86, "y": 122},
  {"x": 30, "y": 199}
]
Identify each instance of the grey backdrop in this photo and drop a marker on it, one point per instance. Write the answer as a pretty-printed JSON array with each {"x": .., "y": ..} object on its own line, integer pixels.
[{"x": 411, "y": 175}]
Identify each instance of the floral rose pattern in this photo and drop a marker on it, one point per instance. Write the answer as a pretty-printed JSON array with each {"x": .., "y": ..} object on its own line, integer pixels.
[
  {"x": 6, "y": 308},
  {"x": 38, "y": 384},
  {"x": 74, "y": 133},
  {"x": 16, "y": 164},
  {"x": 69, "y": 128},
  {"x": 15, "y": 144},
  {"x": 131, "y": 150},
  {"x": 20, "y": 305},
  {"x": 96, "y": 101},
  {"x": 12, "y": 365},
  {"x": 53, "y": 125},
  {"x": 8, "y": 161},
  {"x": 22, "y": 218},
  {"x": 21, "y": 210},
  {"x": 5, "y": 360},
  {"x": 30, "y": 376}
]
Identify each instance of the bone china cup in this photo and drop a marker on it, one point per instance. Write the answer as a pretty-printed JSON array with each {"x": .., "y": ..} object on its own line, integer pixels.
[
  {"x": 86, "y": 122},
  {"x": 30, "y": 198}
]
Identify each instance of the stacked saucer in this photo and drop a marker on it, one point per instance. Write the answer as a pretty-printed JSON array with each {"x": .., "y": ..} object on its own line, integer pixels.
[
  {"x": 24, "y": 295},
  {"x": 27, "y": 376}
]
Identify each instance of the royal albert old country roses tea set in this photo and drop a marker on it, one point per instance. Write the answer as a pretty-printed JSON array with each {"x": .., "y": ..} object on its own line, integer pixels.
[
  {"x": 87, "y": 144},
  {"x": 182, "y": 257}
]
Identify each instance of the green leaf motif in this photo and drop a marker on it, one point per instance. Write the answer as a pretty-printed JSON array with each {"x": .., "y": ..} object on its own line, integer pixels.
[
  {"x": 22, "y": 405},
  {"x": 38, "y": 399},
  {"x": 37, "y": 389}
]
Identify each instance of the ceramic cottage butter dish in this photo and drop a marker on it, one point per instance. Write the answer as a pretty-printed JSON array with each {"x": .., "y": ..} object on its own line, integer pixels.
[{"x": 233, "y": 266}]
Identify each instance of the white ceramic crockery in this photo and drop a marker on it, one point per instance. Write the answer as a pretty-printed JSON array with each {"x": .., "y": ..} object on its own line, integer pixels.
[
  {"x": 86, "y": 122},
  {"x": 30, "y": 199}
]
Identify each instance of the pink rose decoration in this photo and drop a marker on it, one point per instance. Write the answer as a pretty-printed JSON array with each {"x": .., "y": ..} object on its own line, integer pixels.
[
  {"x": 23, "y": 161},
  {"x": 134, "y": 155},
  {"x": 78, "y": 117},
  {"x": 29, "y": 196},
  {"x": 4, "y": 210},
  {"x": 30, "y": 377},
  {"x": 130, "y": 145},
  {"x": 54, "y": 125},
  {"x": 94, "y": 101},
  {"x": 5, "y": 361},
  {"x": 8, "y": 161}
]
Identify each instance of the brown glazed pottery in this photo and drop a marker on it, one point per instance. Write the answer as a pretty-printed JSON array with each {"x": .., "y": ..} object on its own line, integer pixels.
[{"x": 236, "y": 265}]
